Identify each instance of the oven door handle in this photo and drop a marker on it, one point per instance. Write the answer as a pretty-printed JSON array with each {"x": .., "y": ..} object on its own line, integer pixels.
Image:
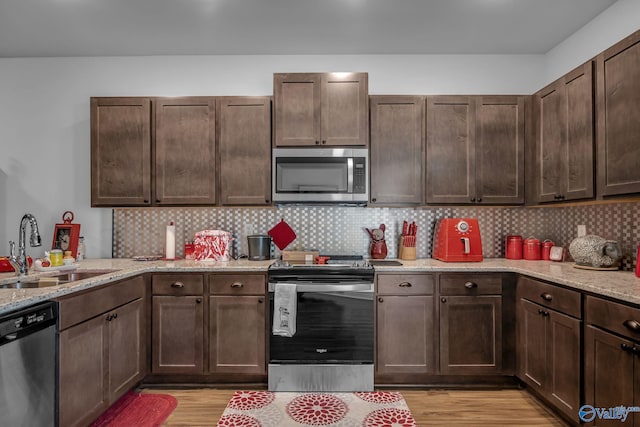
[{"x": 333, "y": 287}]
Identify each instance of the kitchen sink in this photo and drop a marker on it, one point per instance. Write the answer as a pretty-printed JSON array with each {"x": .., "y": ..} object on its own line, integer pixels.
[{"x": 58, "y": 279}]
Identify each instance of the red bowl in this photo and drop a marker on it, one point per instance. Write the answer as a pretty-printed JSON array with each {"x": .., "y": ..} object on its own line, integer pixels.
[{"x": 6, "y": 267}]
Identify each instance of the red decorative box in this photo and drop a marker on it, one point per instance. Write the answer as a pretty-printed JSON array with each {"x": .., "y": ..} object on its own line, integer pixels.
[{"x": 212, "y": 245}]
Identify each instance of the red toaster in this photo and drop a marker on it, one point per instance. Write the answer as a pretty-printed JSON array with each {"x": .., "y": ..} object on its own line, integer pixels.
[{"x": 457, "y": 240}]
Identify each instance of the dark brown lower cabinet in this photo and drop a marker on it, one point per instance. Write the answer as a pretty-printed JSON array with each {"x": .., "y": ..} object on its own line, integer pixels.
[
  {"x": 237, "y": 334},
  {"x": 178, "y": 333},
  {"x": 101, "y": 358},
  {"x": 612, "y": 359},
  {"x": 550, "y": 355},
  {"x": 405, "y": 341},
  {"x": 471, "y": 334}
]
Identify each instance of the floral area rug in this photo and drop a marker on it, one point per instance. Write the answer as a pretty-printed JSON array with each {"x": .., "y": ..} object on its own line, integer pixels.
[{"x": 284, "y": 409}]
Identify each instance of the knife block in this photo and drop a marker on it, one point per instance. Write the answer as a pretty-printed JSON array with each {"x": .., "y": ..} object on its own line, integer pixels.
[{"x": 406, "y": 252}]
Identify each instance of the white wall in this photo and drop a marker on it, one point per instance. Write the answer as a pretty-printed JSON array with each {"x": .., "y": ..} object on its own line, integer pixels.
[
  {"x": 44, "y": 106},
  {"x": 615, "y": 23}
]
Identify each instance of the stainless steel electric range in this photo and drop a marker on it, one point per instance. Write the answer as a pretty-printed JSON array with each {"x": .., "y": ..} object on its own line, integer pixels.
[{"x": 332, "y": 347}]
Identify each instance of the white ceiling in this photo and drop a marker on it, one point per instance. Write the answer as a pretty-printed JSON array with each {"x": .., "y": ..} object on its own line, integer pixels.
[{"x": 32, "y": 28}]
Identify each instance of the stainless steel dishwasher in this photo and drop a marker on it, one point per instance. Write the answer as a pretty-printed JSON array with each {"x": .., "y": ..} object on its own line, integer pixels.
[{"x": 28, "y": 366}]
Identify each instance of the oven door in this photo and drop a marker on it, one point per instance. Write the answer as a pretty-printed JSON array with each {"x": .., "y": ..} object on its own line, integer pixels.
[{"x": 335, "y": 325}]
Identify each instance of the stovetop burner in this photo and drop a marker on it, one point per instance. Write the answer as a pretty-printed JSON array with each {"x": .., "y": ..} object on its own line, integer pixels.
[{"x": 348, "y": 267}]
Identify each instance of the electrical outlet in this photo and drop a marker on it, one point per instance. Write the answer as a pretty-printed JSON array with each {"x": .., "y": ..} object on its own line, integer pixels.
[
  {"x": 582, "y": 230},
  {"x": 249, "y": 229}
]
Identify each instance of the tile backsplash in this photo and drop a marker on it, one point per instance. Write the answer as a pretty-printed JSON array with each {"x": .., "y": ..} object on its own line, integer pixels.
[{"x": 341, "y": 230}]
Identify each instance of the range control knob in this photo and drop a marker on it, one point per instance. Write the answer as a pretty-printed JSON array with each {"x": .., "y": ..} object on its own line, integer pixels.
[{"x": 463, "y": 226}]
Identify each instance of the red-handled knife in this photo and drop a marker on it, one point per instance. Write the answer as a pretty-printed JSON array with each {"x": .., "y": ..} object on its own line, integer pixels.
[{"x": 405, "y": 228}]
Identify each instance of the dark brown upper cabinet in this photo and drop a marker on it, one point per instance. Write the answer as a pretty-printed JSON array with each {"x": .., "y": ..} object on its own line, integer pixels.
[
  {"x": 475, "y": 150},
  {"x": 120, "y": 151},
  {"x": 185, "y": 151},
  {"x": 564, "y": 138},
  {"x": 244, "y": 140},
  {"x": 397, "y": 140},
  {"x": 618, "y": 118},
  {"x": 321, "y": 109}
]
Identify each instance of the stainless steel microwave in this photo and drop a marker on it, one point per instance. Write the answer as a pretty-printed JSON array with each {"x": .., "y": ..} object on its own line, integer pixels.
[{"x": 324, "y": 175}]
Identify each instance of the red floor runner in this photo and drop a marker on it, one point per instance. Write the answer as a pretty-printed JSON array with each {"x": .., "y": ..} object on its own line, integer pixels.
[{"x": 140, "y": 410}]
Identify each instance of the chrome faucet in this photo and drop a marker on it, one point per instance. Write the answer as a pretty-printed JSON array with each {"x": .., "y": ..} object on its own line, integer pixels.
[{"x": 19, "y": 262}]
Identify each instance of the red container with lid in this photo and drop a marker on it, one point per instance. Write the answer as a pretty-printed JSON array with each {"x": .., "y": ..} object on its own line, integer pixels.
[
  {"x": 514, "y": 247},
  {"x": 531, "y": 249},
  {"x": 546, "y": 250}
]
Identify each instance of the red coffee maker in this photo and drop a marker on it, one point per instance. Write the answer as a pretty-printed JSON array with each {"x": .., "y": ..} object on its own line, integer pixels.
[{"x": 457, "y": 240}]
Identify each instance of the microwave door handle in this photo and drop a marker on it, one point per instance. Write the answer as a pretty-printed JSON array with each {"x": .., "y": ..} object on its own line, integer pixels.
[{"x": 350, "y": 175}]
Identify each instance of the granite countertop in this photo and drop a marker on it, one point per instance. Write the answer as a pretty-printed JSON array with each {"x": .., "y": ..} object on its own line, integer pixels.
[{"x": 621, "y": 285}]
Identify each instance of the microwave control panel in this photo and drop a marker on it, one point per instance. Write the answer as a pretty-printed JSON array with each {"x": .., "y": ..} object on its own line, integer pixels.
[{"x": 359, "y": 175}]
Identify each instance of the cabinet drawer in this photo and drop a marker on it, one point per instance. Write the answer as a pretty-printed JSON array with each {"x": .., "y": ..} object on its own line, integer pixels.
[
  {"x": 237, "y": 284},
  {"x": 177, "y": 284},
  {"x": 470, "y": 284},
  {"x": 78, "y": 308},
  {"x": 405, "y": 284},
  {"x": 560, "y": 299},
  {"x": 613, "y": 316}
]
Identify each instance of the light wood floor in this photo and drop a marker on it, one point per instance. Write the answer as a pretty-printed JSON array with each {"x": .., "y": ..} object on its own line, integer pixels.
[{"x": 203, "y": 407}]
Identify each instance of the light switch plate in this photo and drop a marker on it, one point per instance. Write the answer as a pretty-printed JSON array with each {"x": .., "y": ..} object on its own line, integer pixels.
[{"x": 582, "y": 230}]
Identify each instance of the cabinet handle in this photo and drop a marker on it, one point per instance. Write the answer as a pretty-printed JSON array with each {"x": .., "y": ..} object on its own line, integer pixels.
[
  {"x": 479, "y": 199},
  {"x": 260, "y": 300},
  {"x": 198, "y": 300},
  {"x": 473, "y": 200},
  {"x": 324, "y": 142},
  {"x": 546, "y": 296},
  {"x": 374, "y": 200},
  {"x": 236, "y": 285},
  {"x": 470, "y": 285},
  {"x": 177, "y": 285},
  {"x": 266, "y": 200},
  {"x": 443, "y": 299},
  {"x": 634, "y": 325},
  {"x": 145, "y": 201},
  {"x": 380, "y": 299},
  {"x": 158, "y": 200},
  {"x": 317, "y": 142},
  {"x": 115, "y": 315},
  {"x": 405, "y": 285},
  {"x": 630, "y": 349},
  {"x": 109, "y": 317}
]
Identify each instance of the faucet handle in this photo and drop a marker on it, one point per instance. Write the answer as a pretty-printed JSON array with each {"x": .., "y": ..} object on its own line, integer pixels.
[{"x": 12, "y": 249}]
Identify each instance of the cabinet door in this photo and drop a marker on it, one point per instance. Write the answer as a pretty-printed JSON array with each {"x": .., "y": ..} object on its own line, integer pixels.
[
  {"x": 609, "y": 372},
  {"x": 564, "y": 137},
  {"x": 578, "y": 86},
  {"x": 244, "y": 140},
  {"x": 532, "y": 344},
  {"x": 297, "y": 109},
  {"x": 618, "y": 98},
  {"x": 178, "y": 333},
  {"x": 83, "y": 356},
  {"x": 551, "y": 160},
  {"x": 238, "y": 335},
  {"x": 185, "y": 155},
  {"x": 120, "y": 152},
  {"x": 405, "y": 335},
  {"x": 396, "y": 149},
  {"x": 563, "y": 363},
  {"x": 450, "y": 150},
  {"x": 127, "y": 349},
  {"x": 345, "y": 109},
  {"x": 471, "y": 335},
  {"x": 500, "y": 149}
]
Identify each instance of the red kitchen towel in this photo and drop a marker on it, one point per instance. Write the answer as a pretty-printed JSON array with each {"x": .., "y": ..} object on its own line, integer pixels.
[{"x": 282, "y": 234}]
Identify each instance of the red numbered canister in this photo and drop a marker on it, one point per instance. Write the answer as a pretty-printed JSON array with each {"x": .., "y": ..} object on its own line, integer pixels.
[
  {"x": 531, "y": 249},
  {"x": 514, "y": 247},
  {"x": 546, "y": 250}
]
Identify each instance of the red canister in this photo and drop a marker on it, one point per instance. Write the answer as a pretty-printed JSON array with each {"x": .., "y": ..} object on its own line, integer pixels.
[
  {"x": 514, "y": 247},
  {"x": 546, "y": 250},
  {"x": 531, "y": 249},
  {"x": 638, "y": 262}
]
